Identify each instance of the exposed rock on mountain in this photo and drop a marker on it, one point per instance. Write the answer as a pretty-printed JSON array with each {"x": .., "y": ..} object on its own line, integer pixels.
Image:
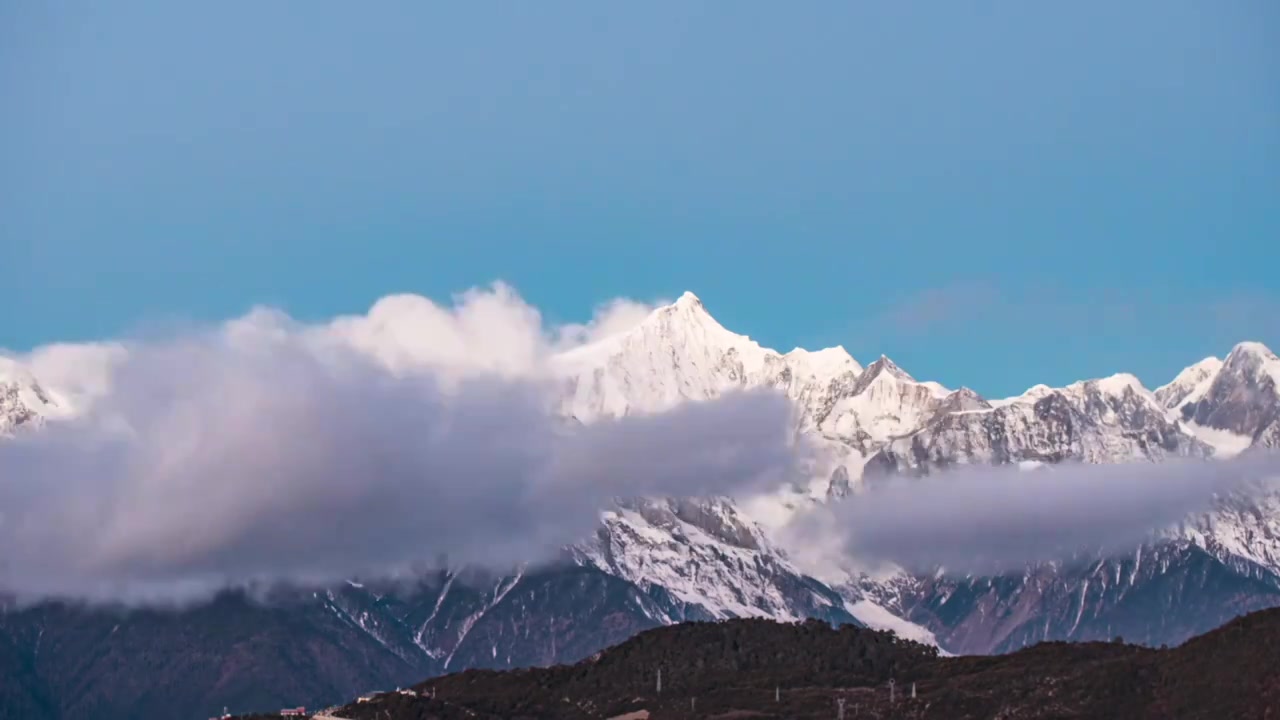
[
  {"x": 1098, "y": 421},
  {"x": 1172, "y": 395},
  {"x": 24, "y": 402},
  {"x": 1240, "y": 399},
  {"x": 710, "y": 558}
]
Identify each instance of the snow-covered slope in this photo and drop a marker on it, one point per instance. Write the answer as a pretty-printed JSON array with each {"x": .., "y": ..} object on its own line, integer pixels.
[
  {"x": 710, "y": 557},
  {"x": 1190, "y": 384},
  {"x": 24, "y": 402}
]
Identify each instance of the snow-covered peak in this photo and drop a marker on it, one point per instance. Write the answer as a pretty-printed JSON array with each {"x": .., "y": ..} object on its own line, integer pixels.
[
  {"x": 688, "y": 299},
  {"x": 1252, "y": 348},
  {"x": 1238, "y": 404},
  {"x": 883, "y": 402},
  {"x": 687, "y": 318},
  {"x": 680, "y": 352},
  {"x": 884, "y": 365},
  {"x": 1254, "y": 359},
  {"x": 684, "y": 324},
  {"x": 1120, "y": 400},
  {"x": 827, "y": 363},
  {"x": 963, "y": 400},
  {"x": 1037, "y": 391},
  {"x": 1190, "y": 384},
  {"x": 24, "y": 402},
  {"x": 1115, "y": 385},
  {"x": 1031, "y": 395}
]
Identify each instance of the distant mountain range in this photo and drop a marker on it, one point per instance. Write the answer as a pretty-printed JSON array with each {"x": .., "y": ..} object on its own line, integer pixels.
[{"x": 659, "y": 561}]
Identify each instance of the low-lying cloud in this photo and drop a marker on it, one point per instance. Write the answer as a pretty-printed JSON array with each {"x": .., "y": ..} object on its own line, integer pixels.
[
  {"x": 265, "y": 450},
  {"x": 989, "y": 520}
]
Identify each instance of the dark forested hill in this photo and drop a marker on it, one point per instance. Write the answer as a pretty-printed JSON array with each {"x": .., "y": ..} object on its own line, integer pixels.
[{"x": 762, "y": 669}]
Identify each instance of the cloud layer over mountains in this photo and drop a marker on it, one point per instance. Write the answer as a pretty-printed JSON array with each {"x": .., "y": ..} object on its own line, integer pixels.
[
  {"x": 266, "y": 449},
  {"x": 985, "y": 520}
]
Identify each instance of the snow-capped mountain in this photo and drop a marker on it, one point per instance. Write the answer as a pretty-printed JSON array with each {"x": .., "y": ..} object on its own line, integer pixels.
[
  {"x": 24, "y": 402},
  {"x": 1113, "y": 419},
  {"x": 659, "y": 560},
  {"x": 1235, "y": 403},
  {"x": 882, "y": 421},
  {"x": 680, "y": 353},
  {"x": 1173, "y": 394}
]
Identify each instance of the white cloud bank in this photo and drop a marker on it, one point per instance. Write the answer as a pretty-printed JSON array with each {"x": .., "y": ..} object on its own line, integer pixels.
[
  {"x": 268, "y": 450},
  {"x": 985, "y": 520}
]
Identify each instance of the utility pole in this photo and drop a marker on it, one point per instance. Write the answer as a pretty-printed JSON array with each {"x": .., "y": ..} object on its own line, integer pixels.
[
  {"x": 913, "y": 691},
  {"x": 839, "y": 708},
  {"x": 890, "y": 691},
  {"x": 777, "y": 693},
  {"x": 693, "y": 704},
  {"x": 659, "y": 681}
]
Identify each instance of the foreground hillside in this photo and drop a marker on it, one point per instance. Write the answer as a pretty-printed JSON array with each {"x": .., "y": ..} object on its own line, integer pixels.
[{"x": 763, "y": 669}]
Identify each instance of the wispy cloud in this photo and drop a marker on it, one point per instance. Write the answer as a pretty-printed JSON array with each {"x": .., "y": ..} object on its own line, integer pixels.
[
  {"x": 964, "y": 304},
  {"x": 990, "y": 520},
  {"x": 927, "y": 310}
]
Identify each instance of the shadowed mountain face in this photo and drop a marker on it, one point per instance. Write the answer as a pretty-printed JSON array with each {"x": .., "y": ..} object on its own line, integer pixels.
[
  {"x": 1161, "y": 595},
  {"x": 755, "y": 668},
  {"x": 61, "y": 661},
  {"x": 73, "y": 662},
  {"x": 294, "y": 647}
]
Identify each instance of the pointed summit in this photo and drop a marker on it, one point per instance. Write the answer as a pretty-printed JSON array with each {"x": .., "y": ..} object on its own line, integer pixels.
[
  {"x": 1242, "y": 397},
  {"x": 1251, "y": 349},
  {"x": 1252, "y": 364},
  {"x": 885, "y": 365},
  {"x": 688, "y": 299},
  {"x": 1190, "y": 384},
  {"x": 963, "y": 400},
  {"x": 688, "y": 306},
  {"x": 689, "y": 312},
  {"x": 882, "y": 370}
]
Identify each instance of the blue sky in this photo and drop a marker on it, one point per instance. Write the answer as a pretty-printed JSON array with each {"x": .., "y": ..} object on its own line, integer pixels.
[{"x": 992, "y": 193}]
